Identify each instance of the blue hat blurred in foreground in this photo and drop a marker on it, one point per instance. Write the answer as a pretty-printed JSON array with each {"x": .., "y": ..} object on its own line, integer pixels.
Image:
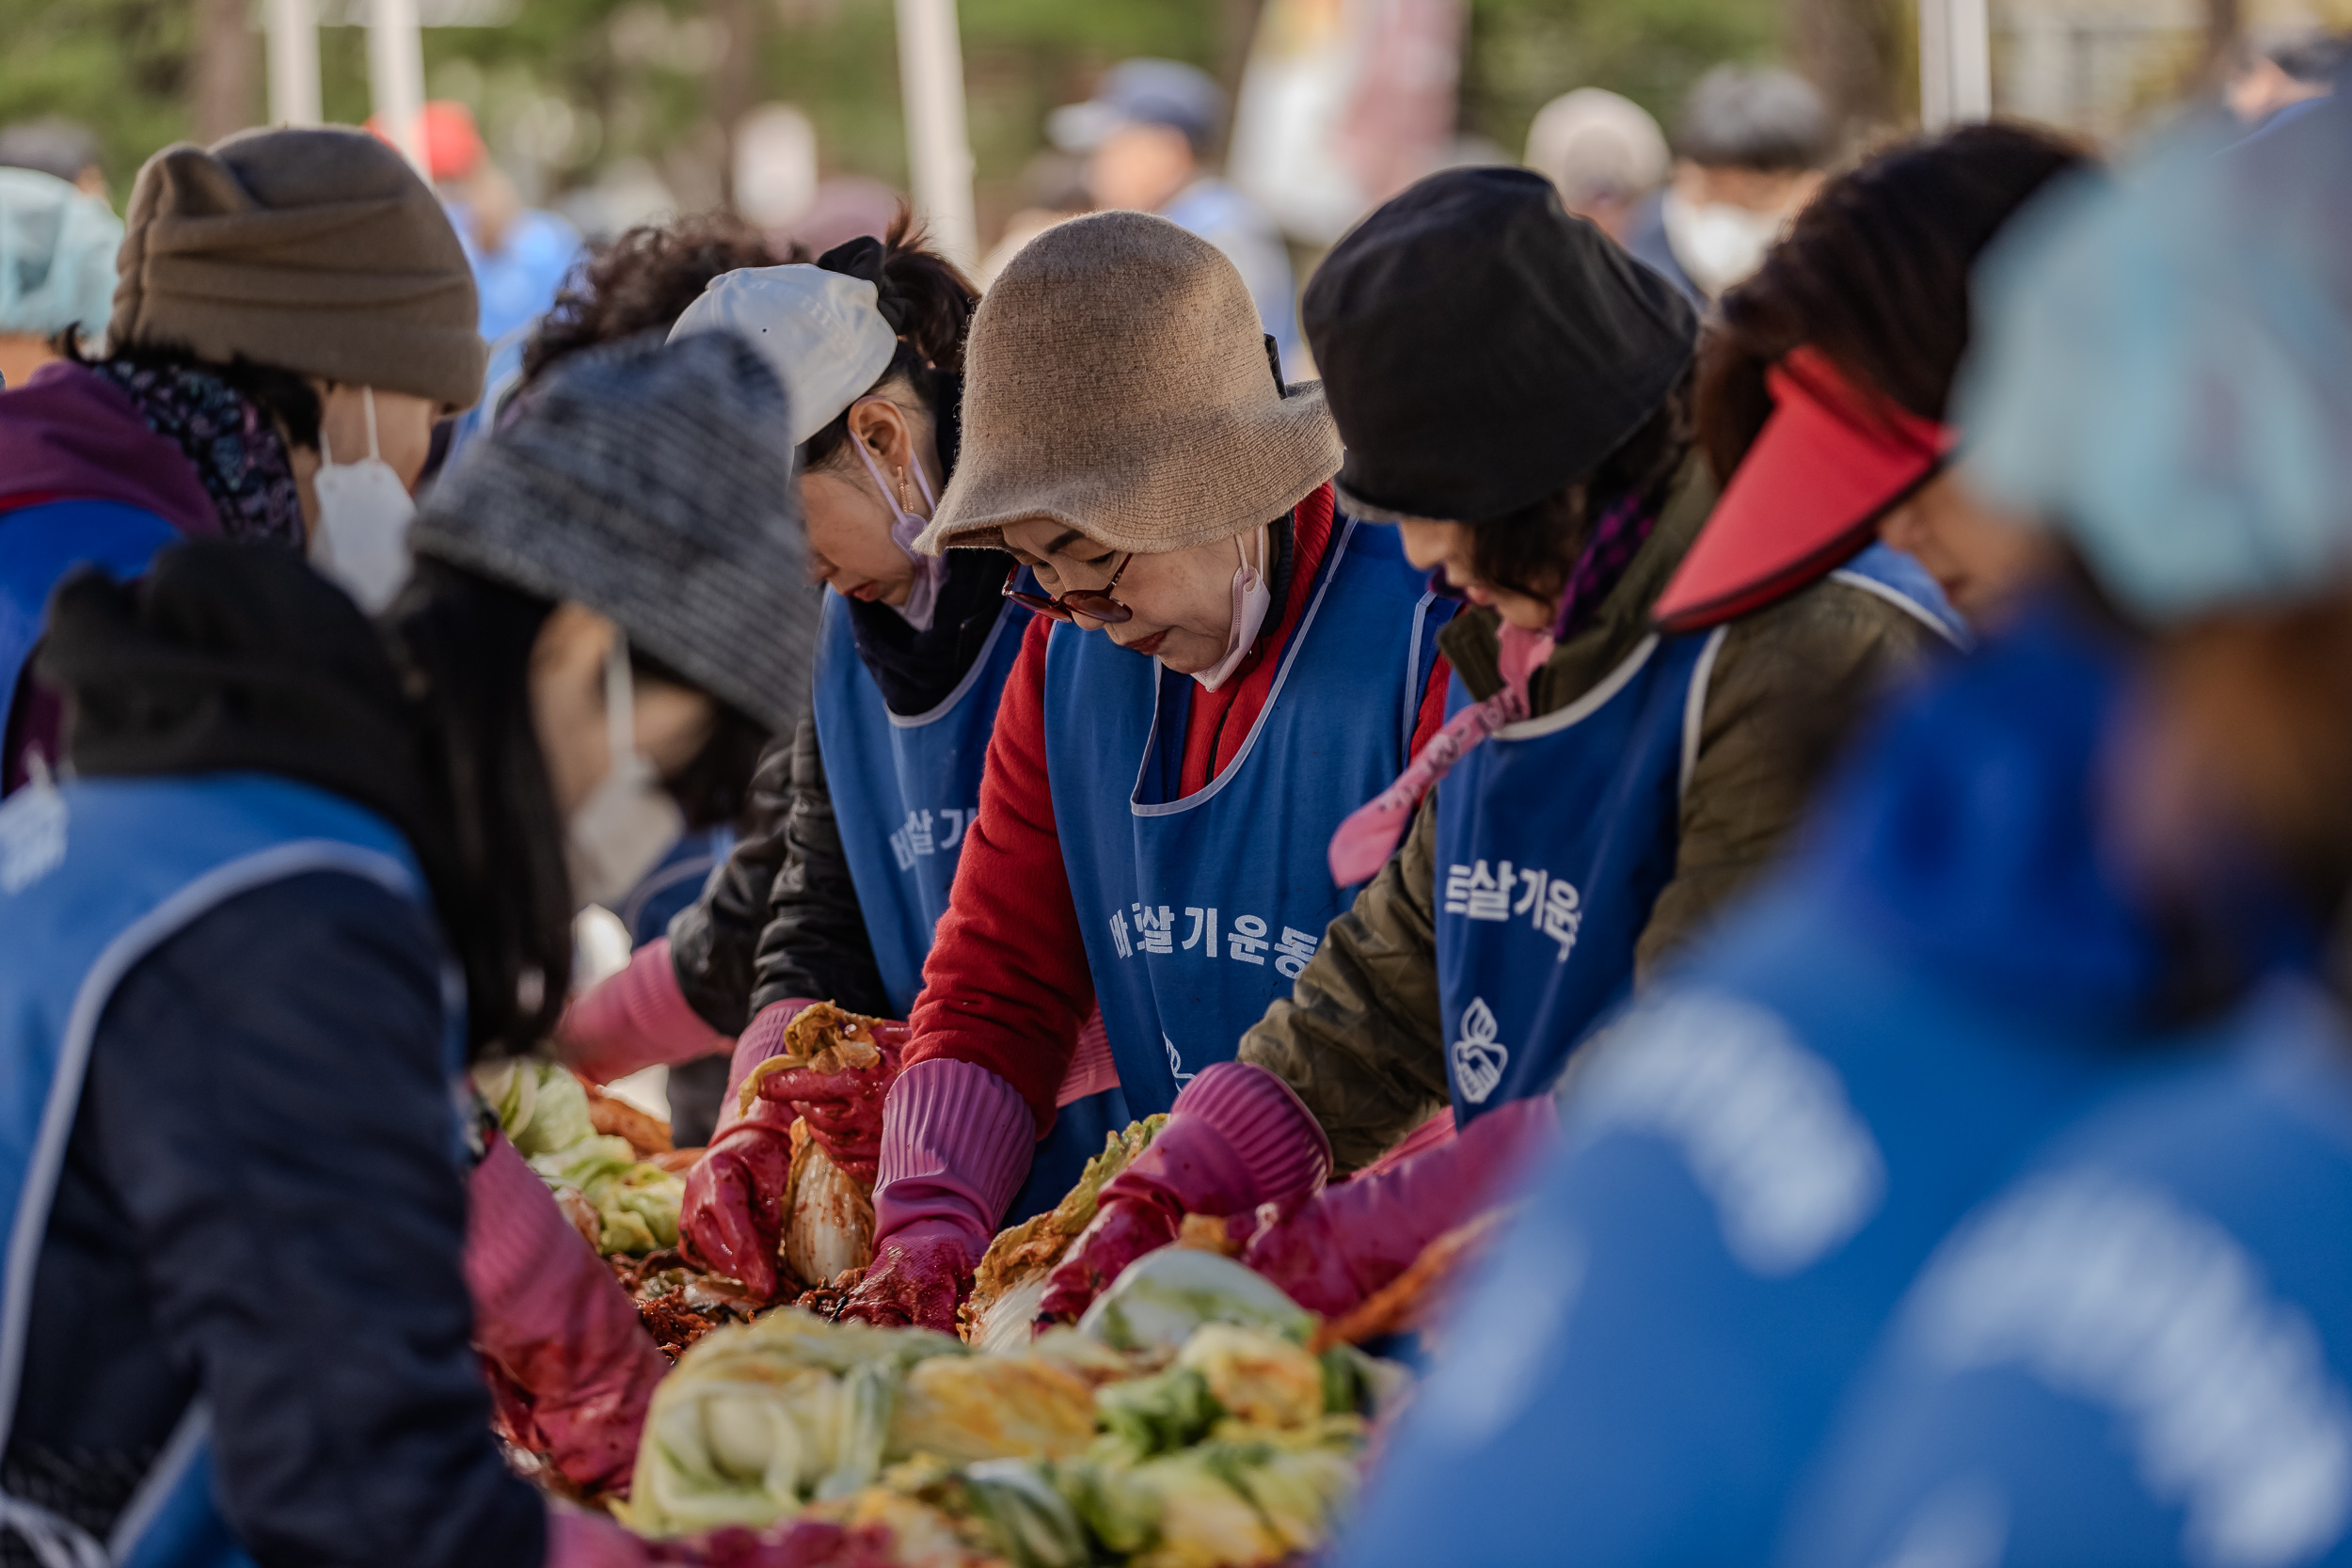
[
  {"x": 2164, "y": 372},
  {"x": 56, "y": 256}
]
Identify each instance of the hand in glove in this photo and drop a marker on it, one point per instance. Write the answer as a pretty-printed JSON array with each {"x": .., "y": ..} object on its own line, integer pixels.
[
  {"x": 634, "y": 1020},
  {"x": 844, "y": 1108},
  {"x": 917, "y": 1277},
  {"x": 1236, "y": 1138},
  {"x": 733, "y": 1217},
  {"x": 1356, "y": 1236},
  {"x": 556, "y": 1324}
]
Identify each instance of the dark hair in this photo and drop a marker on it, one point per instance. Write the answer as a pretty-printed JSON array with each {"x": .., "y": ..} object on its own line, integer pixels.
[
  {"x": 715, "y": 785},
  {"x": 2316, "y": 57},
  {"x": 465, "y": 645},
  {"x": 929, "y": 302},
  {"x": 284, "y": 395},
  {"x": 1874, "y": 275},
  {"x": 643, "y": 281},
  {"x": 1531, "y": 550}
]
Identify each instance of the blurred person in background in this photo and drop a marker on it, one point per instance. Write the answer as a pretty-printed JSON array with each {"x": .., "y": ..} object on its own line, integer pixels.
[
  {"x": 1603, "y": 152},
  {"x": 2141, "y": 1351},
  {"x": 56, "y": 268},
  {"x": 1053, "y": 187},
  {"x": 1756, "y": 1159},
  {"x": 1146, "y": 135},
  {"x": 2294, "y": 72},
  {"x": 293, "y": 313},
  {"x": 58, "y": 148},
  {"x": 247, "y": 1280},
  {"x": 1750, "y": 149}
]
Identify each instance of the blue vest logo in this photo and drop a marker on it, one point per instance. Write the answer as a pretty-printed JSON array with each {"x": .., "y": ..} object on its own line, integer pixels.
[
  {"x": 32, "y": 837},
  {"x": 1478, "y": 1060}
]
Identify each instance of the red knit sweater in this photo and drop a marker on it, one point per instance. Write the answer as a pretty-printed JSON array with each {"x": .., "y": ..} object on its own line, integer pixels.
[{"x": 1007, "y": 985}]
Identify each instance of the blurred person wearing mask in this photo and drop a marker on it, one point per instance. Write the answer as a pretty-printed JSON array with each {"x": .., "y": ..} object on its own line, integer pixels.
[
  {"x": 1757, "y": 1157},
  {"x": 58, "y": 148},
  {"x": 2141, "y": 1351},
  {"x": 293, "y": 313},
  {"x": 56, "y": 268},
  {"x": 1603, "y": 152},
  {"x": 840, "y": 901},
  {"x": 1750, "y": 149},
  {"x": 1219, "y": 665},
  {"x": 1146, "y": 135},
  {"x": 639, "y": 283},
  {"x": 1600, "y": 790},
  {"x": 300, "y": 880}
]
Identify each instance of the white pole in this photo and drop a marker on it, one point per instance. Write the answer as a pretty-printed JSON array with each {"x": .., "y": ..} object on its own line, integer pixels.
[
  {"x": 396, "y": 75},
  {"x": 1955, "y": 62},
  {"x": 293, "y": 63},
  {"x": 939, "y": 148}
]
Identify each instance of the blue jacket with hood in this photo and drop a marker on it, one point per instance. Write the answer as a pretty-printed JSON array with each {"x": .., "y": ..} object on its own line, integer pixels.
[{"x": 1759, "y": 1155}]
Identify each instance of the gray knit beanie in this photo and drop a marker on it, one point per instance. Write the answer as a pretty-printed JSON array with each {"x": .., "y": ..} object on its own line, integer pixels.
[{"x": 645, "y": 481}]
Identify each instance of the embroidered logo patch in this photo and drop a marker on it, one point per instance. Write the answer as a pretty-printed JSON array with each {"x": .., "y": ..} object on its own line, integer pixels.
[{"x": 1478, "y": 1060}]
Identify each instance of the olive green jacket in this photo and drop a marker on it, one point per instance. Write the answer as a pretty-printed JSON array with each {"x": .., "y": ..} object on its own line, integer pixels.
[{"x": 1361, "y": 1038}]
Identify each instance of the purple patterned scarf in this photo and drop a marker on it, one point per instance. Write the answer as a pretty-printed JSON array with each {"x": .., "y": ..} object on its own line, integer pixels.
[
  {"x": 234, "y": 446},
  {"x": 1620, "y": 533}
]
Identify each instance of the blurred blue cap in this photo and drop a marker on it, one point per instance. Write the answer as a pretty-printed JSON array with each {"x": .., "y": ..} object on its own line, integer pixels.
[
  {"x": 2163, "y": 370},
  {"x": 1142, "y": 92}
]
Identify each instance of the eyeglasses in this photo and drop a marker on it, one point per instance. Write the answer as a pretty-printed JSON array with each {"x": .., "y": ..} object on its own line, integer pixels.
[{"x": 1095, "y": 604}]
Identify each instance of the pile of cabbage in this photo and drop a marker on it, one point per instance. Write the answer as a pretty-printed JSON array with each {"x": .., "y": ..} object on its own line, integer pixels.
[
  {"x": 1182, "y": 1424},
  {"x": 631, "y": 1205}
]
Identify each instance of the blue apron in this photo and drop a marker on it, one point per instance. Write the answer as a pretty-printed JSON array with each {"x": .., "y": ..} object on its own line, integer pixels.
[
  {"x": 94, "y": 877},
  {"x": 1556, "y": 836},
  {"x": 40, "y": 545},
  {"x": 1199, "y": 911},
  {"x": 904, "y": 793}
]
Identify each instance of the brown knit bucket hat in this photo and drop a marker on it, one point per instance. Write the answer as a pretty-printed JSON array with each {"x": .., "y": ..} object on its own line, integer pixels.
[
  {"x": 317, "y": 250},
  {"x": 1116, "y": 382}
]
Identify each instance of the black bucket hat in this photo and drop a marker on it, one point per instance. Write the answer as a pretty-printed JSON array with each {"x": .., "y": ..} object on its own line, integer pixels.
[{"x": 1481, "y": 349}]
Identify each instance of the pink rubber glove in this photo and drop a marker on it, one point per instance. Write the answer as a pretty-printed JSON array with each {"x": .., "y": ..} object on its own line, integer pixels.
[
  {"x": 1236, "y": 1138},
  {"x": 844, "y": 1110},
  {"x": 578, "y": 1539},
  {"x": 1356, "y": 1236},
  {"x": 733, "y": 1217},
  {"x": 956, "y": 1143},
  {"x": 732, "y": 1220},
  {"x": 551, "y": 1316},
  {"x": 634, "y": 1020}
]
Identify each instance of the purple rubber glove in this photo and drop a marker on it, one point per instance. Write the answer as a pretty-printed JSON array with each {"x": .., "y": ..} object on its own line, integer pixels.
[
  {"x": 1236, "y": 1139},
  {"x": 558, "y": 1328},
  {"x": 956, "y": 1142},
  {"x": 634, "y": 1020},
  {"x": 733, "y": 1216},
  {"x": 1356, "y": 1236},
  {"x": 844, "y": 1110}
]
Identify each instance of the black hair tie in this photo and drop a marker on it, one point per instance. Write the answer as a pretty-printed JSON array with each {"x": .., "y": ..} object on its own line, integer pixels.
[{"x": 864, "y": 257}]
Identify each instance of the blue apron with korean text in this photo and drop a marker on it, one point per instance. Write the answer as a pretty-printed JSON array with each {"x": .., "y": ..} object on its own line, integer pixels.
[
  {"x": 40, "y": 545},
  {"x": 1556, "y": 836},
  {"x": 904, "y": 793},
  {"x": 1199, "y": 911},
  {"x": 94, "y": 876}
]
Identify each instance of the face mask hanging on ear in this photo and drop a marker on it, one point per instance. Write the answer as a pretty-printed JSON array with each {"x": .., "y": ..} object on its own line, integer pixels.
[
  {"x": 361, "y": 540},
  {"x": 1253, "y": 596},
  {"x": 904, "y": 525},
  {"x": 626, "y": 826}
]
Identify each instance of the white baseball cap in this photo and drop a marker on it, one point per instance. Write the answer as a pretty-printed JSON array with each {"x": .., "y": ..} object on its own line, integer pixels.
[{"x": 822, "y": 332}]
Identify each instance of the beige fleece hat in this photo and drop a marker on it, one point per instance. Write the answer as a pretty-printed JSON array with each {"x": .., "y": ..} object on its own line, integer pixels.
[
  {"x": 317, "y": 250},
  {"x": 1116, "y": 382}
]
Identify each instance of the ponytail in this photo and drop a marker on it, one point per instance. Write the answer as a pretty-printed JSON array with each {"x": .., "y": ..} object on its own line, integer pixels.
[{"x": 929, "y": 304}]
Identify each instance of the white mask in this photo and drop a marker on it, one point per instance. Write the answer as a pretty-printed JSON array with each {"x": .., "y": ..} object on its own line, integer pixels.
[
  {"x": 1253, "y": 596},
  {"x": 361, "y": 540},
  {"x": 626, "y": 826},
  {"x": 1719, "y": 245},
  {"x": 904, "y": 525}
]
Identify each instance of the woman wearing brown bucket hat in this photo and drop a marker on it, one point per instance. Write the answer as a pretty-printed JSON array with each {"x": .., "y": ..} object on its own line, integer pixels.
[
  {"x": 1221, "y": 666},
  {"x": 292, "y": 315}
]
